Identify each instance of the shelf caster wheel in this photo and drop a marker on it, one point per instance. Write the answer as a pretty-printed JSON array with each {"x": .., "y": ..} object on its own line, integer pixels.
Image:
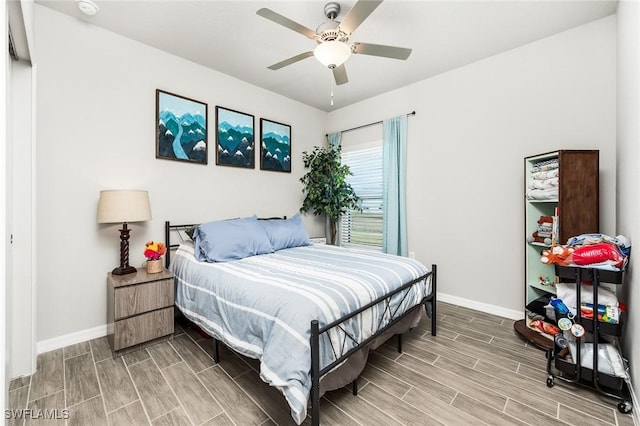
[
  {"x": 625, "y": 407},
  {"x": 550, "y": 383}
]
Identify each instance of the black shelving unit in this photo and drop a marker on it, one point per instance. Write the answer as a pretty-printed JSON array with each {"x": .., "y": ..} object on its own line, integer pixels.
[{"x": 595, "y": 331}]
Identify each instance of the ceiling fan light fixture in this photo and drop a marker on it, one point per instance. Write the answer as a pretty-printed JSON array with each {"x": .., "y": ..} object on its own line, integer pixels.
[{"x": 333, "y": 53}]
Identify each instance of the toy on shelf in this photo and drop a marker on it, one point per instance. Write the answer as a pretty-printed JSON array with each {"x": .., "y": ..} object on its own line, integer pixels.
[
  {"x": 544, "y": 233},
  {"x": 544, "y": 327},
  {"x": 546, "y": 281},
  {"x": 558, "y": 255}
]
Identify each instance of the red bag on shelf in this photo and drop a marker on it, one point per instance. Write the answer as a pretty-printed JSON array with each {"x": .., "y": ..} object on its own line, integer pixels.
[{"x": 598, "y": 253}]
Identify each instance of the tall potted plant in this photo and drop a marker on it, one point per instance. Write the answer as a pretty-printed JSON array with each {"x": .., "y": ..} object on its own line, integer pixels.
[{"x": 326, "y": 188}]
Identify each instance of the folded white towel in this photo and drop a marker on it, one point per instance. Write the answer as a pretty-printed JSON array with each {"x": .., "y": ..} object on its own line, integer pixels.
[
  {"x": 542, "y": 194},
  {"x": 546, "y": 174},
  {"x": 544, "y": 183}
]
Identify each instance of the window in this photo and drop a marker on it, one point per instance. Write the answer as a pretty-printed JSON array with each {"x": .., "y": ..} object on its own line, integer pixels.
[{"x": 364, "y": 228}]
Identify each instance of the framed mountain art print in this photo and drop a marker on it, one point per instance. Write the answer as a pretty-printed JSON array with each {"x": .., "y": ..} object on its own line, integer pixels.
[
  {"x": 235, "y": 141},
  {"x": 275, "y": 146},
  {"x": 181, "y": 128}
]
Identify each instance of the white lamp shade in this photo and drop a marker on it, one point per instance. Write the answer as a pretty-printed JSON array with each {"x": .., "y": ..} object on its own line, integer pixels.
[
  {"x": 332, "y": 53},
  {"x": 120, "y": 206}
]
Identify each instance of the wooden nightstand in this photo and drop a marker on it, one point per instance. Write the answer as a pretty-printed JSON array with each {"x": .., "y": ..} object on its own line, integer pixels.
[{"x": 139, "y": 309}]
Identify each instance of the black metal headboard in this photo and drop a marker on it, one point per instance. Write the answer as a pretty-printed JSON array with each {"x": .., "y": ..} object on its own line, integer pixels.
[{"x": 168, "y": 230}]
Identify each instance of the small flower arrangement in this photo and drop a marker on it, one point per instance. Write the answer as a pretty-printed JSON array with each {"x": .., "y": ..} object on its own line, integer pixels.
[{"x": 154, "y": 250}]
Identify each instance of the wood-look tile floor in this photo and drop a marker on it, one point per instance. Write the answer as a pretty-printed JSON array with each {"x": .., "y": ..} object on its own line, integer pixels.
[{"x": 475, "y": 371}]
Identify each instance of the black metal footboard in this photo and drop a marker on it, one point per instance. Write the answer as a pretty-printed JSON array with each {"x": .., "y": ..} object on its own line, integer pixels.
[{"x": 316, "y": 331}]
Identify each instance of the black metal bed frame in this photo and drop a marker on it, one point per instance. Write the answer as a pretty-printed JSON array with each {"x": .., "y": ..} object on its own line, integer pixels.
[{"x": 429, "y": 303}]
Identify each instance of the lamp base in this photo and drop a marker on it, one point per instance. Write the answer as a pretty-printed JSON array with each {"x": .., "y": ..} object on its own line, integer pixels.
[{"x": 124, "y": 270}]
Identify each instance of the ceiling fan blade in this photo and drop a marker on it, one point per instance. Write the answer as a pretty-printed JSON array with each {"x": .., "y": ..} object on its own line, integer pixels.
[
  {"x": 381, "y": 50},
  {"x": 340, "y": 75},
  {"x": 291, "y": 60},
  {"x": 358, "y": 13},
  {"x": 284, "y": 21}
]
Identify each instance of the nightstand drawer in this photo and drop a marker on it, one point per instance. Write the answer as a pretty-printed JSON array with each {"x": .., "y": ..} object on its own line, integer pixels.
[
  {"x": 140, "y": 298},
  {"x": 142, "y": 328}
]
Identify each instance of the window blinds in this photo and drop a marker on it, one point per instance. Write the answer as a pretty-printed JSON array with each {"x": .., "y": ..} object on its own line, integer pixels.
[{"x": 364, "y": 228}]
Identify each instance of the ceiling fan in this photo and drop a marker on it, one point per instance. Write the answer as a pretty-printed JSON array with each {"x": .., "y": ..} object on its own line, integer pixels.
[{"x": 333, "y": 38}]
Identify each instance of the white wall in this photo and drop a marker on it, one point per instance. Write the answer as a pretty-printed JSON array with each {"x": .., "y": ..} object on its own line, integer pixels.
[
  {"x": 472, "y": 129},
  {"x": 23, "y": 267},
  {"x": 4, "y": 225},
  {"x": 95, "y": 125},
  {"x": 20, "y": 196},
  {"x": 628, "y": 157}
]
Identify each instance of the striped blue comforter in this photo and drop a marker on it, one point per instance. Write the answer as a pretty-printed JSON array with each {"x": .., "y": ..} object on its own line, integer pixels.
[{"x": 262, "y": 306}]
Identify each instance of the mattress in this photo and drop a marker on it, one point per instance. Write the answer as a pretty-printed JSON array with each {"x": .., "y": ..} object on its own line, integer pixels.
[{"x": 262, "y": 306}]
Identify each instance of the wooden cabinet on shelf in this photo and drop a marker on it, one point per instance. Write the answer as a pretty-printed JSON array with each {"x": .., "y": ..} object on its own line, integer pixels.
[
  {"x": 561, "y": 200},
  {"x": 139, "y": 309}
]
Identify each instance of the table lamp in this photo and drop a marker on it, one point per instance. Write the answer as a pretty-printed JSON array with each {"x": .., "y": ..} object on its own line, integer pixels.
[{"x": 123, "y": 206}]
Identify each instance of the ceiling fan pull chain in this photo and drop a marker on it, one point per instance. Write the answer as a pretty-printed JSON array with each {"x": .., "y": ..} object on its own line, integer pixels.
[{"x": 331, "y": 78}]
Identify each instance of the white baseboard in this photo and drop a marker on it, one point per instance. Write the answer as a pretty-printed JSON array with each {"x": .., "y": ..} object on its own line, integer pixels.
[
  {"x": 71, "y": 339},
  {"x": 482, "y": 307}
]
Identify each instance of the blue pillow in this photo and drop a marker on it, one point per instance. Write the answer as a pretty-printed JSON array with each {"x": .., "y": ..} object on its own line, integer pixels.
[
  {"x": 225, "y": 240},
  {"x": 286, "y": 233}
]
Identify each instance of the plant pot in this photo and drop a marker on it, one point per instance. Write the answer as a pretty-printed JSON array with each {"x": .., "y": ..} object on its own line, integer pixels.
[{"x": 154, "y": 266}]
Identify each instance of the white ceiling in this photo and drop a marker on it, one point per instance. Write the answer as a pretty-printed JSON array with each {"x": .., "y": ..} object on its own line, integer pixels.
[{"x": 229, "y": 37}]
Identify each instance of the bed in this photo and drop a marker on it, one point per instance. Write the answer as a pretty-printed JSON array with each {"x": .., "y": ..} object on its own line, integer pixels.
[{"x": 310, "y": 313}]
